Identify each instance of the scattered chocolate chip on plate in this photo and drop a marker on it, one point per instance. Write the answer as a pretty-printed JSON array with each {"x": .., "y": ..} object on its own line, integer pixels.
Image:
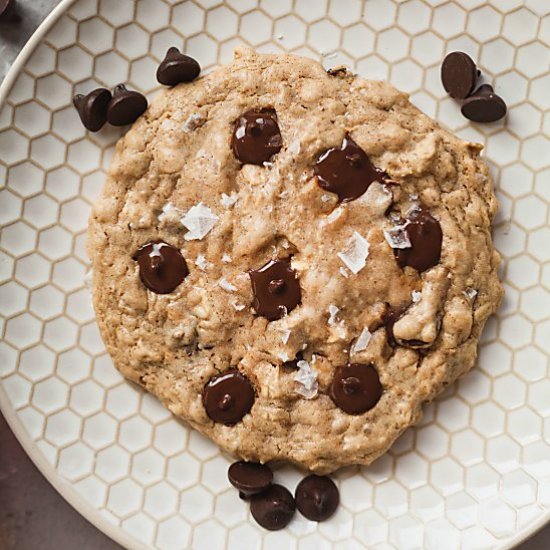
[{"x": 484, "y": 105}]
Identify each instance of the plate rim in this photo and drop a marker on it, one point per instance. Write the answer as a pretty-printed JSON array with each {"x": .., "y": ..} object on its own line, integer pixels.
[
  {"x": 63, "y": 487},
  {"x": 67, "y": 492}
]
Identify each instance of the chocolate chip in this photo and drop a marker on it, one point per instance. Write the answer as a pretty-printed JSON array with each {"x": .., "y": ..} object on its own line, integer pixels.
[
  {"x": 250, "y": 478},
  {"x": 228, "y": 397},
  {"x": 484, "y": 105},
  {"x": 256, "y": 136},
  {"x": 317, "y": 497},
  {"x": 161, "y": 266},
  {"x": 346, "y": 171},
  {"x": 274, "y": 508},
  {"x": 355, "y": 388},
  {"x": 126, "y": 106},
  {"x": 425, "y": 236},
  {"x": 276, "y": 289},
  {"x": 458, "y": 74},
  {"x": 92, "y": 108},
  {"x": 176, "y": 68}
]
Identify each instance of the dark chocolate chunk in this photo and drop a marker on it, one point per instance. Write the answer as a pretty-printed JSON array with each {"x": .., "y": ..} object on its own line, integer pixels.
[
  {"x": 250, "y": 478},
  {"x": 425, "y": 236},
  {"x": 276, "y": 289},
  {"x": 346, "y": 171},
  {"x": 484, "y": 105},
  {"x": 355, "y": 388},
  {"x": 228, "y": 397},
  {"x": 161, "y": 266},
  {"x": 459, "y": 74},
  {"x": 256, "y": 136},
  {"x": 177, "y": 67},
  {"x": 126, "y": 106},
  {"x": 274, "y": 508},
  {"x": 92, "y": 108},
  {"x": 317, "y": 497}
]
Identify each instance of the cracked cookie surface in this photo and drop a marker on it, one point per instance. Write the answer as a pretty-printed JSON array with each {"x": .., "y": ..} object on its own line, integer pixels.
[{"x": 175, "y": 179}]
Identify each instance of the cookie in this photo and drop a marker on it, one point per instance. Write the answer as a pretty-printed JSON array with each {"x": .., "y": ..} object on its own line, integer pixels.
[{"x": 293, "y": 261}]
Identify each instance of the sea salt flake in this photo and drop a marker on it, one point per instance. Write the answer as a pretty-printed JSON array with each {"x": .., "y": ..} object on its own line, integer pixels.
[
  {"x": 193, "y": 122},
  {"x": 285, "y": 335},
  {"x": 229, "y": 200},
  {"x": 283, "y": 357},
  {"x": 226, "y": 285},
  {"x": 416, "y": 296},
  {"x": 226, "y": 259},
  {"x": 325, "y": 198},
  {"x": 343, "y": 272},
  {"x": 362, "y": 342},
  {"x": 397, "y": 237},
  {"x": 201, "y": 262},
  {"x": 334, "y": 215},
  {"x": 268, "y": 164},
  {"x": 356, "y": 253},
  {"x": 306, "y": 378},
  {"x": 237, "y": 306},
  {"x": 333, "y": 311},
  {"x": 470, "y": 293},
  {"x": 199, "y": 220}
]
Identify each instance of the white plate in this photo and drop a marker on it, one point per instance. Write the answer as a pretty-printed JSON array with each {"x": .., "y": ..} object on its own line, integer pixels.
[{"x": 474, "y": 474}]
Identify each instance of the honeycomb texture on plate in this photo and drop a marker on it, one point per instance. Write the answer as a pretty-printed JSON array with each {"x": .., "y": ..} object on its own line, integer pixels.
[{"x": 472, "y": 473}]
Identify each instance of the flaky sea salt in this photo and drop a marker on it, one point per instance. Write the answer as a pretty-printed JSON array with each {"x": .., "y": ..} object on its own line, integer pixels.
[
  {"x": 229, "y": 200},
  {"x": 199, "y": 220},
  {"x": 416, "y": 296},
  {"x": 193, "y": 122},
  {"x": 356, "y": 253},
  {"x": 226, "y": 259},
  {"x": 333, "y": 312},
  {"x": 237, "y": 306},
  {"x": 334, "y": 215},
  {"x": 325, "y": 198},
  {"x": 306, "y": 379},
  {"x": 470, "y": 293},
  {"x": 285, "y": 335},
  {"x": 201, "y": 262},
  {"x": 343, "y": 272},
  {"x": 226, "y": 285},
  {"x": 362, "y": 342},
  {"x": 397, "y": 237}
]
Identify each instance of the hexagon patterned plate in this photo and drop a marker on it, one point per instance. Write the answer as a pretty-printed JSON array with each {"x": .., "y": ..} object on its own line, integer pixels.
[{"x": 474, "y": 474}]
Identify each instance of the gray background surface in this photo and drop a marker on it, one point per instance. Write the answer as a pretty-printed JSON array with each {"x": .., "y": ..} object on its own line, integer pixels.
[{"x": 24, "y": 494}]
